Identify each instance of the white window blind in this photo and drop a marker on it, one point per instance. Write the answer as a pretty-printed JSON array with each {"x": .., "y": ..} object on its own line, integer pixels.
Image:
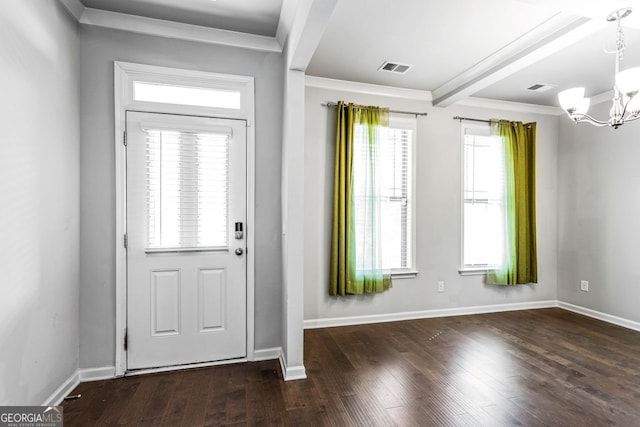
[
  {"x": 396, "y": 185},
  {"x": 187, "y": 189},
  {"x": 484, "y": 199},
  {"x": 393, "y": 165}
]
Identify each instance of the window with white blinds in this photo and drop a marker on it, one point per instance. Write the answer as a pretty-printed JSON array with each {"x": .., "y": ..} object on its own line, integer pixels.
[
  {"x": 484, "y": 198},
  {"x": 396, "y": 191},
  {"x": 187, "y": 189}
]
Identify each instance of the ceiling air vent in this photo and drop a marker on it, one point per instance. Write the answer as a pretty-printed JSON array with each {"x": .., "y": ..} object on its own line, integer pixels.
[
  {"x": 394, "y": 67},
  {"x": 540, "y": 87}
]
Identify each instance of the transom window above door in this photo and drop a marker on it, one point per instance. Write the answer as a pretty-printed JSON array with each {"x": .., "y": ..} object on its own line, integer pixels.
[{"x": 185, "y": 95}]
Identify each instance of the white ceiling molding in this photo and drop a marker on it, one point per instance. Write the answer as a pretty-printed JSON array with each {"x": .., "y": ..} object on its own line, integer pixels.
[
  {"x": 367, "y": 89},
  {"x": 285, "y": 22},
  {"x": 74, "y": 7},
  {"x": 557, "y": 33},
  {"x": 310, "y": 23},
  {"x": 424, "y": 95},
  {"x": 602, "y": 97},
  {"x": 175, "y": 30},
  {"x": 520, "y": 107}
]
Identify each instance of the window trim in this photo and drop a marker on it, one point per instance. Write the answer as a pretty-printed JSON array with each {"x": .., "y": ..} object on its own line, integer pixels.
[
  {"x": 479, "y": 129},
  {"x": 411, "y": 123},
  {"x": 127, "y": 73}
]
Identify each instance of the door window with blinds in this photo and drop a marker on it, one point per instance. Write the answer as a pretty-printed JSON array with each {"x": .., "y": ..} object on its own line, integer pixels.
[
  {"x": 483, "y": 198},
  {"x": 187, "y": 190},
  {"x": 396, "y": 188}
]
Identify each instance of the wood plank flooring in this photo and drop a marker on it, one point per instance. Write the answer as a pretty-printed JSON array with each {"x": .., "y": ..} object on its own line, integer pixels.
[{"x": 546, "y": 367}]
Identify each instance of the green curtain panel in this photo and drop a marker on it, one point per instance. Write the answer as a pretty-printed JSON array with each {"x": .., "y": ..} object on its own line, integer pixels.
[
  {"x": 356, "y": 247},
  {"x": 520, "y": 265}
]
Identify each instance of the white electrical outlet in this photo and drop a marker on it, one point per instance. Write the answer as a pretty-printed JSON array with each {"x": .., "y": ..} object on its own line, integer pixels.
[
  {"x": 584, "y": 285},
  {"x": 441, "y": 286}
]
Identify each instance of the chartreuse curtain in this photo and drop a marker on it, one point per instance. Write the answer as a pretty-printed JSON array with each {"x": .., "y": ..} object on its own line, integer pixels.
[
  {"x": 356, "y": 246},
  {"x": 520, "y": 257}
]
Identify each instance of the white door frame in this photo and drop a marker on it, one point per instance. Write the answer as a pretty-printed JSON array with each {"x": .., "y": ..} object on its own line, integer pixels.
[{"x": 125, "y": 74}]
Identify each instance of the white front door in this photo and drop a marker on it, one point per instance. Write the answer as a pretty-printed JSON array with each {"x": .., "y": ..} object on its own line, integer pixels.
[{"x": 186, "y": 266}]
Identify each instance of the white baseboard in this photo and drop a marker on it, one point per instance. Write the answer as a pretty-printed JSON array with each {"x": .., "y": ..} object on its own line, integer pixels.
[
  {"x": 298, "y": 372},
  {"x": 425, "y": 314},
  {"x": 97, "y": 374},
  {"x": 267, "y": 354},
  {"x": 625, "y": 323},
  {"x": 63, "y": 391},
  {"x": 291, "y": 373}
]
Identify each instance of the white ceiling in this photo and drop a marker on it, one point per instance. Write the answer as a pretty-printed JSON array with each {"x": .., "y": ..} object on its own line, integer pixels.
[
  {"x": 440, "y": 39},
  {"x": 491, "y": 49}
]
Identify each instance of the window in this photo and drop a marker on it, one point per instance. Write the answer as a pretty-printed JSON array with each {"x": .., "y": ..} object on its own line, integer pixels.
[
  {"x": 185, "y": 95},
  {"x": 187, "y": 189},
  {"x": 396, "y": 190},
  {"x": 483, "y": 238}
]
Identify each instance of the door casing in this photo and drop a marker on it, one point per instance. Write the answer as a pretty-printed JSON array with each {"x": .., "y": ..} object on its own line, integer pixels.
[{"x": 125, "y": 74}]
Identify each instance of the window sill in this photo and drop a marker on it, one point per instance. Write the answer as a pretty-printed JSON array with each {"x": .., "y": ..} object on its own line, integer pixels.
[
  {"x": 473, "y": 271},
  {"x": 404, "y": 274}
]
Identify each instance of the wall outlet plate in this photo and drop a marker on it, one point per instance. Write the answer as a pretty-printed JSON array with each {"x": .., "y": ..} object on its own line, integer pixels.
[
  {"x": 584, "y": 285},
  {"x": 440, "y": 286}
]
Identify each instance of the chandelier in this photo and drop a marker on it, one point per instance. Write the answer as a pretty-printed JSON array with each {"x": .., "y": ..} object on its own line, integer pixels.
[{"x": 626, "y": 105}]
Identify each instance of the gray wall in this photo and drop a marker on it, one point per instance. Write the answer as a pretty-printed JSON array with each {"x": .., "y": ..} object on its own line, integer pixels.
[
  {"x": 438, "y": 212},
  {"x": 599, "y": 211},
  {"x": 99, "y": 48},
  {"x": 39, "y": 189}
]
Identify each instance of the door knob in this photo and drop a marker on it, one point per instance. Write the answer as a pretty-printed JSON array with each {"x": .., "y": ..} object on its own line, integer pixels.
[{"x": 239, "y": 251}]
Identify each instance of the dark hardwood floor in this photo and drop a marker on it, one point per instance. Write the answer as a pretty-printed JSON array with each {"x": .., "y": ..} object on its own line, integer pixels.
[{"x": 546, "y": 367}]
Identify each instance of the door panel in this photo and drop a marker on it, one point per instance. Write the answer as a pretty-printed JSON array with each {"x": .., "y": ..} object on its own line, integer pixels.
[
  {"x": 213, "y": 288},
  {"x": 186, "y": 286},
  {"x": 165, "y": 302}
]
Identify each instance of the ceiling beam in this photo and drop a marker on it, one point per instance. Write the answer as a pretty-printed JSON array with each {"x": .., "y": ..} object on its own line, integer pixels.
[
  {"x": 555, "y": 34},
  {"x": 309, "y": 23},
  {"x": 74, "y": 7},
  {"x": 285, "y": 22}
]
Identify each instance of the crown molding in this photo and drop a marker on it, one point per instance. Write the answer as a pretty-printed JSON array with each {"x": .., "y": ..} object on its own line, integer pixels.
[
  {"x": 424, "y": 95},
  {"x": 169, "y": 29},
  {"x": 521, "y": 107},
  {"x": 602, "y": 97},
  {"x": 176, "y": 30},
  {"x": 367, "y": 88}
]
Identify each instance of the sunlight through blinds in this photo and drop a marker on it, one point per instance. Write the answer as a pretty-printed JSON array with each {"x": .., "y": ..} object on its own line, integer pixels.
[
  {"x": 392, "y": 185},
  {"x": 187, "y": 189}
]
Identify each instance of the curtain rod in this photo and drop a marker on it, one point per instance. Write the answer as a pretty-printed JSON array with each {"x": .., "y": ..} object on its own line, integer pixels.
[
  {"x": 413, "y": 113},
  {"x": 470, "y": 119}
]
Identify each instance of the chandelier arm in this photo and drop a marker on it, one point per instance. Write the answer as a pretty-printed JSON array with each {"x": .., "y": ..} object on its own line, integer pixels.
[
  {"x": 586, "y": 118},
  {"x": 632, "y": 117}
]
